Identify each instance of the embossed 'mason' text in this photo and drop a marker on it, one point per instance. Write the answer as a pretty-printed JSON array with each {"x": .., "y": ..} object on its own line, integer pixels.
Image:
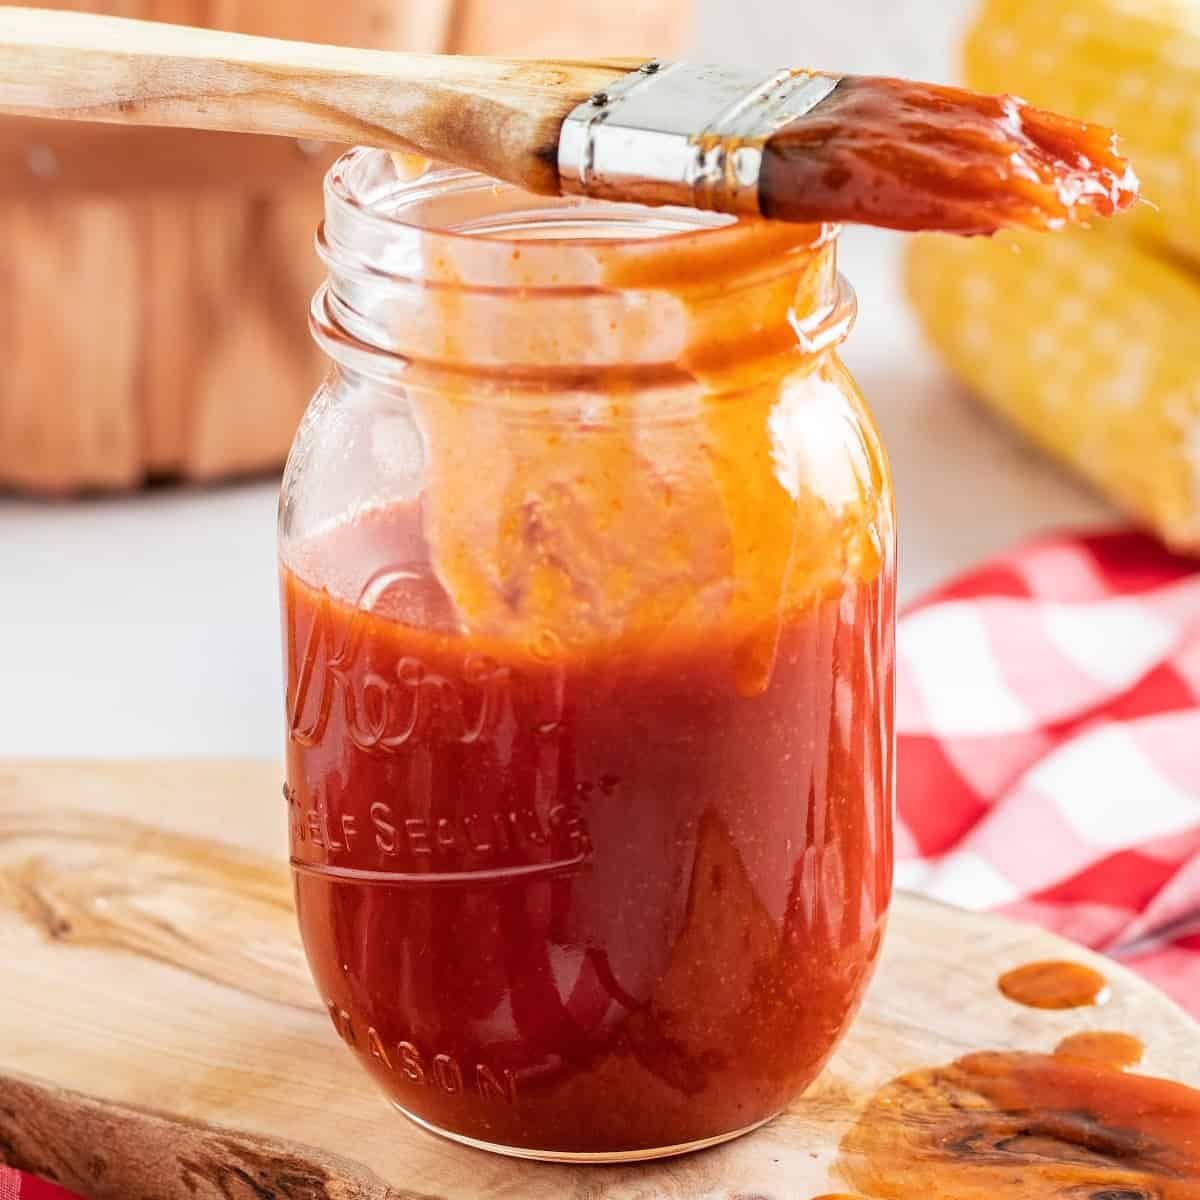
[{"x": 443, "y": 1072}]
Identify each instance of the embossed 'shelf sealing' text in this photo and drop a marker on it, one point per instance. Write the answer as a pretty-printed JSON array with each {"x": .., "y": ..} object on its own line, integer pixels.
[{"x": 556, "y": 835}]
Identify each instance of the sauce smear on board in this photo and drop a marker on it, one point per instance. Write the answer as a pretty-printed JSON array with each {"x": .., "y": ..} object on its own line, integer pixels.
[
  {"x": 1014, "y": 1126},
  {"x": 1117, "y": 1050},
  {"x": 1054, "y": 985}
]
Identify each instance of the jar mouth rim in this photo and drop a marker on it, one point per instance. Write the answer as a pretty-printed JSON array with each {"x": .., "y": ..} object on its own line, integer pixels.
[
  {"x": 821, "y": 331},
  {"x": 517, "y": 267},
  {"x": 390, "y": 206}
]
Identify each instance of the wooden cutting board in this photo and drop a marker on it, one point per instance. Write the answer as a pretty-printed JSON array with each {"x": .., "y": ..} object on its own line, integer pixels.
[{"x": 159, "y": 1037}]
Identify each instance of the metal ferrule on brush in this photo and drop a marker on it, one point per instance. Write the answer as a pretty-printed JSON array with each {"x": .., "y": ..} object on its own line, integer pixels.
[{"x": 683, "y": 133}]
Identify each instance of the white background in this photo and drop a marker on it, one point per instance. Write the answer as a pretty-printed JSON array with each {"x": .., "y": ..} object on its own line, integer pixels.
[{"x": 148, "y": 626}]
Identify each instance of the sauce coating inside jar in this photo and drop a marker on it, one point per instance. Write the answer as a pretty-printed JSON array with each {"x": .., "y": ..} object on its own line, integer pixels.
[{"x": 582, "y": 900}]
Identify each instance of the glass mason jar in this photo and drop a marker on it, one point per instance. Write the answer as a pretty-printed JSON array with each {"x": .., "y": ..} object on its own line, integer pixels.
[{"x": 587, "y": 562}]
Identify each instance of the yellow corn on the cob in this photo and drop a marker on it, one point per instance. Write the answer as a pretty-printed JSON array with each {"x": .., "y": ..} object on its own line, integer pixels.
[
  {"x": 1131, "y": 64},
  {"x": 1089, "y": 344}
]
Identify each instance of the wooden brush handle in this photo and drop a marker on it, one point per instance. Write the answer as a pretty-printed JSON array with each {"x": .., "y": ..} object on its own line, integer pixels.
[{"x": 498, "y": 116}]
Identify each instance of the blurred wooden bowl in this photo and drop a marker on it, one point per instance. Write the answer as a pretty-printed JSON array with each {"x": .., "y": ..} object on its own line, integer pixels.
[{"x": 153, "y": 319}]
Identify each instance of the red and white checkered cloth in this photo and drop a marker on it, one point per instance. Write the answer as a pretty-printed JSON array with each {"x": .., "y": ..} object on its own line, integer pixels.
[
  {"x": 1049, "y": 752},
  {"x": 1049, "y": 748},
  {"x": 15, "y": 1186}
]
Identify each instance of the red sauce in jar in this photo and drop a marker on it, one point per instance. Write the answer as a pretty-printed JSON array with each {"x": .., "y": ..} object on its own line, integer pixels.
[{"x": 588, "y": 900}]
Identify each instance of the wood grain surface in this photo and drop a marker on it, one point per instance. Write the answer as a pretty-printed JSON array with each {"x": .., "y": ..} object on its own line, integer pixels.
[{"x": 159, "y": 1037}]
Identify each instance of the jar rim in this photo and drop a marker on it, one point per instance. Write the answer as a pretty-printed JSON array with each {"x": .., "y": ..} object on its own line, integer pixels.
[
  {"x": 822, "y": 331},
  {"x": 408, "y": 255},
  {"x": 388, "y": 204}
]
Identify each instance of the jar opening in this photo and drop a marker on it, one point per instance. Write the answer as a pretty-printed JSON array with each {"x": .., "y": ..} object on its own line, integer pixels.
[
  {"x": 451, "y": 203},
  {"x": 450, "y": 269}
]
